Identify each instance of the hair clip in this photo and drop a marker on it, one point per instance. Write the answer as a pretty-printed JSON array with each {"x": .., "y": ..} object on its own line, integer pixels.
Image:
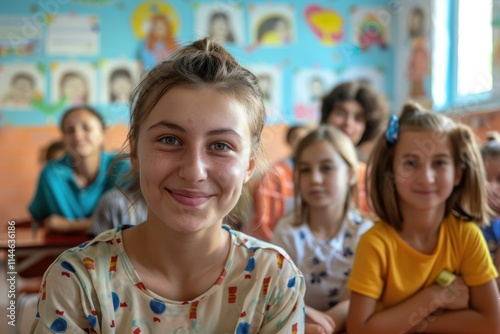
[{"x": 392, "y": 132}]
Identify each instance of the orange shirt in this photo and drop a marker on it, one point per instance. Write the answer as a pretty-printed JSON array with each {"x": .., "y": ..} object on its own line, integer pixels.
[
  {"x": 362, "y": 203},
  {"x": 273, "y": 198}
]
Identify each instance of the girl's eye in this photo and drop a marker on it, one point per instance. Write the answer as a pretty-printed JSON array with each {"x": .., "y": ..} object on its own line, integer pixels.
[
  {"x": 328, "y": 168},
  {"x": 220, "y": 146},
  {"x": 410, "y": 163},
  {"x": 441, "y": 163},
  {"x": 304, "y": 170},
  {"x": 169, "y": 140},
  {"x": 341, "y": 113}
]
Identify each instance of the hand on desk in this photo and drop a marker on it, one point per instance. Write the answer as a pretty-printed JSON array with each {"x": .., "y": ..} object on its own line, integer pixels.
[
  {"x": 60, "y": 224},
  {"x": 318, "y": 322}
]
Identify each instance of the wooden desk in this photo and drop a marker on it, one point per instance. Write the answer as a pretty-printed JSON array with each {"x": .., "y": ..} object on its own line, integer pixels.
[{"x": 34, "y": 252}]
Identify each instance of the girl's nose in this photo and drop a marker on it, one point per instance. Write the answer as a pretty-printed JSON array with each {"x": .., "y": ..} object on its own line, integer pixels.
[
  {"x": 428, "y": 174},
  {"x": 316, "y": 176},
  {"x": 193, "y": 166},
  {"x": 78, "y": 133}
]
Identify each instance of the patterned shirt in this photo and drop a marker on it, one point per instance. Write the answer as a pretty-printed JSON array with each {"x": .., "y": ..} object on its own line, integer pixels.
[
  {"x": 326, "y": 264},
  {"x": 93, "y": 288}
]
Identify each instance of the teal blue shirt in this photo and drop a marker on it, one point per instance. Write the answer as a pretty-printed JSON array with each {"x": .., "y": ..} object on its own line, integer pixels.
[{"x": 58, "y": 192}]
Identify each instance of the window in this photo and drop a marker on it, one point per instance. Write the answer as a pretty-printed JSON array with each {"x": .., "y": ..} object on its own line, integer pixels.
[{"x": 463, "y": 54}]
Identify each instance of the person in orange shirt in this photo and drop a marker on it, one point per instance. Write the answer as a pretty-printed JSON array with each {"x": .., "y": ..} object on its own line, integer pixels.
[{"x": 273, "y": 193}]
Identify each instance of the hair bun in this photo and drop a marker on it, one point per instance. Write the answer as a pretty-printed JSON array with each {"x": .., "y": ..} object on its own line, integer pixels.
[{"x": 410, "y": 107}]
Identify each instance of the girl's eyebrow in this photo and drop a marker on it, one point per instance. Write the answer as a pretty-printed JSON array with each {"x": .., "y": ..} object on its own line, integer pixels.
[
  {"x": 166, "y": 124},
  {"x": 321, "y": 161},
  {"x": 410, "y": 156},
  {"x": 443, "y": 156},
  {"x": 179, "y": 128}
]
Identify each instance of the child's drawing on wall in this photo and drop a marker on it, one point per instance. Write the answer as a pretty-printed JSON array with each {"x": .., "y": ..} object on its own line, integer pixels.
[
  {"x": 224, "y": 22},
  {"x": 155, "y": 24},
  {"x": 20, "y": 91},
  {"x": 274, "y": 30},
  {"x": 74, "y": 88},
  {"x": 310, "y": 85},
  {"x": 272, "y": 25},
  {"x": 22, "y": 85},
  {"x": 418, "y": 63},
  {"x": 121, "y": 85},
  {"x": 73, "y": 83},
  {"x": 271, "y": 84},
  {"x": 220, "y": 29},
  {"x": 369, "y": 28}
]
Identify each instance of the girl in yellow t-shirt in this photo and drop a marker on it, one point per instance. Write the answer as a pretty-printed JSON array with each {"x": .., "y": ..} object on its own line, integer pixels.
[{"x": 424, "y": 267}]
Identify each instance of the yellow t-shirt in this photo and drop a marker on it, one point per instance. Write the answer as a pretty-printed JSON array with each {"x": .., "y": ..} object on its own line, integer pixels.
[{"x": 388, "y": 269}]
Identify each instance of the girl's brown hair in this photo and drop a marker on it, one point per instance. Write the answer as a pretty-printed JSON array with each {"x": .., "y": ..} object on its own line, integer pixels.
[{"x": 468, "y": 200}]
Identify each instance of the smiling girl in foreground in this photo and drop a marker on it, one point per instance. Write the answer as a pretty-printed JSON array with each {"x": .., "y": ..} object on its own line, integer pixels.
[
  {"x": 425, "y": 267},
  {"x": 194, "y": 141}
]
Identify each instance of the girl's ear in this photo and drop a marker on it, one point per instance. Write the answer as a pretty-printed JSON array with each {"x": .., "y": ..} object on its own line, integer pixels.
[
  {"x": 353, "y": 177},
  {"x": 459, "y": 172},
  {"x": 250, "y": 170},
  {"x": 133, "y": 158}
]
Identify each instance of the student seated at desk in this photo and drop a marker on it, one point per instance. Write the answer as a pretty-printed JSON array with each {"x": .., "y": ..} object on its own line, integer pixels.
[{"x": 70, "y": 187}]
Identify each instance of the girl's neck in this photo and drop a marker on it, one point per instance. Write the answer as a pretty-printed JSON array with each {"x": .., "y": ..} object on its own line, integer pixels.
[
  {"x": 325, "y": 223},
  {"x": 86, "y": 168},
  {"x": 177, "y": 266},
  {"x": 421, "y": 228}
]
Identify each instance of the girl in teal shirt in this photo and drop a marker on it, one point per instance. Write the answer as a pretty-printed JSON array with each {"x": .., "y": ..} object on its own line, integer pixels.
[{"x": 69, "y": 188}]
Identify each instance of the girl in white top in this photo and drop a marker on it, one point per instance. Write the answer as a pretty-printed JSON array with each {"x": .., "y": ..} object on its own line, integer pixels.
[{"x": 321, "y": 236}]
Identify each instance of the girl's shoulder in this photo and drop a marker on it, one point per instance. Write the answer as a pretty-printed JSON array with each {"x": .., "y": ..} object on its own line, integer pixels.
[
  {"x": 459, "y": 229},
  {"x": 287, "y": 222},
  {"x": 98, "y": 249},
  {"x": 358, "y": 222},
  {"x": 247, "y": 247},
  {"x": 58, "y": 166},
  {"x": 288, "y": 226},
  {"x": 380, "y": 232}
]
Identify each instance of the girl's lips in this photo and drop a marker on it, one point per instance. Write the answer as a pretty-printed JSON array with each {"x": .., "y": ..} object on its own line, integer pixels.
[
  {"x": 424, "y": 192},
  {"x": 188, "y": 198},
  {"x": 316, "y": 192}
]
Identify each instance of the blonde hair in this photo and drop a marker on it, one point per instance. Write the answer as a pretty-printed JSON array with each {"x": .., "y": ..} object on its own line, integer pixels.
[
  {"x": 344, "y": 147},
  {"x": 468, "y": 200}
]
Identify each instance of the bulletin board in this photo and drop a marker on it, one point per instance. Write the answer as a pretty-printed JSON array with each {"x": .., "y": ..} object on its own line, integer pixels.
[{"x": 59, "y": 53}]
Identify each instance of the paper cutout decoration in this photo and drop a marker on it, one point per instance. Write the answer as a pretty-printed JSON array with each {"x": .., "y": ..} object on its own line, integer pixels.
[{"x": 326, "y": 24}]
